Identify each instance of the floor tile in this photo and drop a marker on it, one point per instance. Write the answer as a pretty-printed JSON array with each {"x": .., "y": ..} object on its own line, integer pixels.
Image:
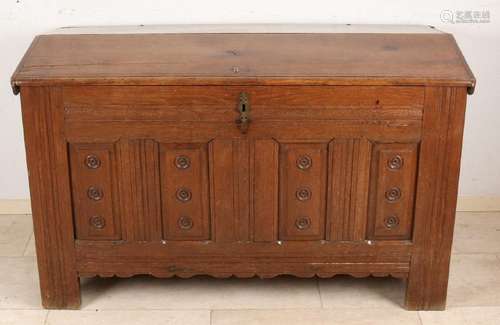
[
  {"x": 481, "y": 315},
  {"x": 30, "y": 247},
  {"x": 122, "y": 317},
  {"x": 315, "y": 317},
  {"x": 15, "y": 231},
  {"x": 452, "y": 316},
  {"x": 22, "y": 317},
  {"x": 349, "y": 292},
  {"x": 462, "y": 316},
  {"x": 19, "y": 283},
  {"x": 199, "y": 293},
  {"x": 474, "y": 280},
  {"x": 477, "y": 233}
]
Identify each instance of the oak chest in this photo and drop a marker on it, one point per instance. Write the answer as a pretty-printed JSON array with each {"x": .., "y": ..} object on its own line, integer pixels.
[{"x": 328, "y": 151}]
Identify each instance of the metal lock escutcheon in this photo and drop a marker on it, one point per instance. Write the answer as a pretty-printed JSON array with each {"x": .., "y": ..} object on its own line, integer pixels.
[{"x": 243, "y": 121}]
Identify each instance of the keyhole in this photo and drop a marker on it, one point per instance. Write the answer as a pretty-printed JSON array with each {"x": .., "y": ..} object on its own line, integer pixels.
[{"x": 243, "y": 108}]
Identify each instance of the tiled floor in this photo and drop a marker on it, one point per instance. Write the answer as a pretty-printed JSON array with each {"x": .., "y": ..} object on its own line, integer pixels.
[{"x": 474, "y": 291}]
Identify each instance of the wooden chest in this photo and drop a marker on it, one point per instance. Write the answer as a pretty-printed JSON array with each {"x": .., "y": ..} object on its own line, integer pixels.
[{"x": 244, "y": 154}]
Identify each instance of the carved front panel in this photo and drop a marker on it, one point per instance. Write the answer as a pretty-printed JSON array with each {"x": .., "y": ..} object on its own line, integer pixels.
[
  {"x": 303, "y": 170},
  {"x": 392, "y": 191},
  {"x": 94, "y": 191},
  {"x": 305, "y": 167},
  {"x": 184, "y": 191},
  {"x": 336, "y": 190}
]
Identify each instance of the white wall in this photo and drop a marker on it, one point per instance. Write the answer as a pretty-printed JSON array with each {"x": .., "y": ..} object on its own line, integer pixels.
[{"x": 21, "y": 20}]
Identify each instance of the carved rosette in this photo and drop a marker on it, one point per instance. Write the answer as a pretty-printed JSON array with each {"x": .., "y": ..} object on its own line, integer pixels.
[
  {"x": 391, "y": 222},
  {"x": 393, "y": 194},
  {"x": 92, "y": 162},
  {"x": 182, "y": 162},
  {"x": 395, "y": 162},
  {"x": 185, "y": 223},
  {"x": 304, "y": 162},
  {"x": 303, "y": 223},
  {"x": 183, "y": 195},
  {"x": 97, "y": 222},
  {"x": 303, "y": 194},
  {"x": 95, "y": 193}
]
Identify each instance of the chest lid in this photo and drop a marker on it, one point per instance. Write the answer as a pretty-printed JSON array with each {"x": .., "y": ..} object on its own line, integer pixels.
[{"x": 245, "y": 55}]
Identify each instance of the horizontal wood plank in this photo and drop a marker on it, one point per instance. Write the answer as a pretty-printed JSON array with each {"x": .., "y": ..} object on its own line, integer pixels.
[
  {"x": 215, "y": 103},
  {"x": 382, "y": 131},
  {"x": 170, "y": 249},
  {"x": 262, "y": 269},
  {"x": 377, "y": 58}
]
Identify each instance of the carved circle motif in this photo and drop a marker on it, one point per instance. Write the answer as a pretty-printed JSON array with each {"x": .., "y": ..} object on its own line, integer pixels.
[
  {"x": 391, "y": 222},
  {"x": 303, "y": 223},
  {"x": 92, "y": 162},
  {"x": 182, "y": 162},
  {"x": 183, "y": 195},
  {"x": 395, "y": 162},
  {"x": 303, "y": 194},
  {"x": 393, "y": 194},
  {"x": 185, "y": 223},
  {"x": 97, "y": 222},
  {"x": 304, "y": 162},
  {"x": 95, "y": 193}
]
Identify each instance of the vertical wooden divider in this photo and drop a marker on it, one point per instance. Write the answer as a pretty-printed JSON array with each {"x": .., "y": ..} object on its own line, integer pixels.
[
  {"x": 242, "y": 179},
  {"x": 140, "y": 190},
  {"x": 349, "y": 161},
  {"x": 221, "y": 161},
  {"x": 266, "y": 180}
]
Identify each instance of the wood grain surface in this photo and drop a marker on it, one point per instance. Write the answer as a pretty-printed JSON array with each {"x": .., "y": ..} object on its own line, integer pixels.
[
  {"x": 218, "y": 58},
  {"x": 348, "y": 164}
]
